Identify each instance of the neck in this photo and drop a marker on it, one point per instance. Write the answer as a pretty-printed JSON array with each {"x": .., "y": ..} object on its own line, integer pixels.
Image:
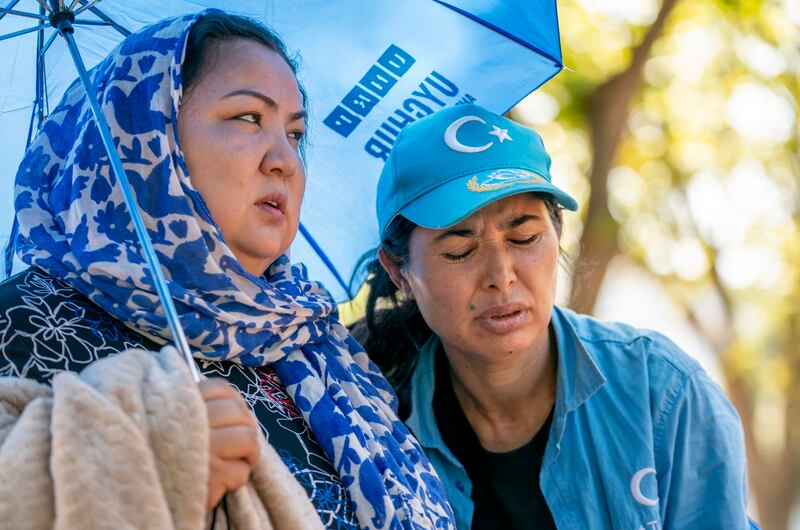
[{"x": 506, "y": 402}]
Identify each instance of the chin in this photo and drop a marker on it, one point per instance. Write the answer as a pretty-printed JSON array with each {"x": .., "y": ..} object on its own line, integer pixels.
[
  {"x": 502, "y": 347},
  {"x": 255, "y": 261}
]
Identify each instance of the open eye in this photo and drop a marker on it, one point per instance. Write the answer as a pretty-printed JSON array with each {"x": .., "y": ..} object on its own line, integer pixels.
[
  {"x": 250, "y": 117},
  {"x": 297, "y": 135}
]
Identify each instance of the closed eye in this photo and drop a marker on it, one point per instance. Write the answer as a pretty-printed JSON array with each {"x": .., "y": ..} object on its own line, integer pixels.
[
  {"x": 527, "y": 241},
  {"x": 459, "y": 257}
]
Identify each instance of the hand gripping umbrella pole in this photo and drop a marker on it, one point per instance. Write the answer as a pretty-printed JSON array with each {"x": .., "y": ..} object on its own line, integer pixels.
[{"x": 62, "y": 18}]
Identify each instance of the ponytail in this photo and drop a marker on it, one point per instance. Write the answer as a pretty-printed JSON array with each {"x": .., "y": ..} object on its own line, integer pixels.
[{"x": 393, "y": 330}]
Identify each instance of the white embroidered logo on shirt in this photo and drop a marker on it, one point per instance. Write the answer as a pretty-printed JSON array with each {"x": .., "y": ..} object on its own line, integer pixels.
[{"x": 636, "y": 487}]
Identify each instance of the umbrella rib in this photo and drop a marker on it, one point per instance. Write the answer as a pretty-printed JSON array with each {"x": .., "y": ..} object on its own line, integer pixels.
[
  {"x": 45, "y": 6},
  {"x": 72, "y": 5},
  {"x": 12, "y": 5},
  {"x": 121, "y": 29},
  {"x": 325, "y": 259},
  {"x": 149, "y": 253},
  {"x": 84, "y": 7},
  {"x": 48, "y": 44},
  {"x": 45, "y": 108},
  {"x": 92, "y": 23},
  {"x": 506, "y": 34},
  {"x": 40, "y": 74},
  {"x": 23, "y": 31},
  {"x": 7, "y": 11}
]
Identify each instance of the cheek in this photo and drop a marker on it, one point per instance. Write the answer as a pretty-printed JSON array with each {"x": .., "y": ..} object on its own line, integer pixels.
[
  {"x": 539, "y": 273},
  {"x": 297, "y": 188},
  {"x": 442, "y": 297},
  {"x": 550, "y": 260},
  {"x": 220, "y": 186},
  {"x": 218, "y": 145},
  {"x": 218, "y": 182},
  {"x": 202, "y": 157}
]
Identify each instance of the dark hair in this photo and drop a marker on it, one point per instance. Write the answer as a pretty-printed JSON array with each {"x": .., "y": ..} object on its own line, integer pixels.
[
  {"x": 393, "y": 334},
  {"x": 210, "y": 31}
]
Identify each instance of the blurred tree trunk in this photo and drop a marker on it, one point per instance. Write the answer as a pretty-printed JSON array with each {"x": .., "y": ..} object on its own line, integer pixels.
[
  {"x": 791, "y": 457},
  {"x": 774, "y": 476},
  {"x": 608, "y": 110},
  {"x": 774, "y": 472}
]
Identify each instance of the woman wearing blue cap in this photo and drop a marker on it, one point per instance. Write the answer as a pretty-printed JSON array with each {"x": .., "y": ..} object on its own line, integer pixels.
[{"x": 533, "y": 416}]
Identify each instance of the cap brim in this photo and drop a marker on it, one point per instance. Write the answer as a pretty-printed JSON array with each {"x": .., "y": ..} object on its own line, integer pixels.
[{"x": 456, "y": 200}]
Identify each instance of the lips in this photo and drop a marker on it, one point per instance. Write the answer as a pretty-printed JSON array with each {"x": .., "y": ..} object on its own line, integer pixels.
[
  {"x": 505, "y": 318},
  {"x": 273, "y": 204}
]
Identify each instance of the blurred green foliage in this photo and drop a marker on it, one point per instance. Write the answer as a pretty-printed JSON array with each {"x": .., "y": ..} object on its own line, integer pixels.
[{"x": 704, "y": 190}]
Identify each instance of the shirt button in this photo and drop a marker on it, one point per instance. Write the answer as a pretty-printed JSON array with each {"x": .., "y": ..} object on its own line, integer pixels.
[{"x": 460, "y": 486}]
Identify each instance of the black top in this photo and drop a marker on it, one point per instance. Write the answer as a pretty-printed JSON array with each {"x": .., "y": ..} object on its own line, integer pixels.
[
  {"x": 505, "y": 486},
  {"x": 46, "y": 326}
]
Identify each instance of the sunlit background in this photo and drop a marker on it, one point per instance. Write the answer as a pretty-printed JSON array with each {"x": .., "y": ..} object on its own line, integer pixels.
[
  {"x": 676, "y": 128},
  {"x": 677, "y": 131}
]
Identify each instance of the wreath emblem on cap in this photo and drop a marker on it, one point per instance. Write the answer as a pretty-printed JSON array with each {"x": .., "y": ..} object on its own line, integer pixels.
[{"x": 503, "y": 178}]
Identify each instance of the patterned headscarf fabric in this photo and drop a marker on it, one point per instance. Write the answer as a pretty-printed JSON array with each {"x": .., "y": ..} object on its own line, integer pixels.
[{"x": 74, "y": 224}]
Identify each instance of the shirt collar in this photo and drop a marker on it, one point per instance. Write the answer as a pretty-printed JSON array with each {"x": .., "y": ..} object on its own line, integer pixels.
[
  {"x": 579, "y": 377},
  {"x": 422, "y": 419}
]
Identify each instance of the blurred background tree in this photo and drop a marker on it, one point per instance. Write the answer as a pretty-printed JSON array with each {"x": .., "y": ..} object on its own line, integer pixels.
[{"x": 677, "y": 131}]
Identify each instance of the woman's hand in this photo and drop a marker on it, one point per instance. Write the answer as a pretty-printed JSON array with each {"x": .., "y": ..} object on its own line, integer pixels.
[{"x": 234, "y": 439}]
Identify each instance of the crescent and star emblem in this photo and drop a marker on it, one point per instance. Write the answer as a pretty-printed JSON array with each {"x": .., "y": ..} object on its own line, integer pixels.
[
  {"x": 451, "y": 139},
  {"x": 636, "y": 487}
]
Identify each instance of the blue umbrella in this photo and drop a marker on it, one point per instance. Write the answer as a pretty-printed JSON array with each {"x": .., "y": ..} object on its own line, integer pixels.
[{"x": 370, "y": 68}]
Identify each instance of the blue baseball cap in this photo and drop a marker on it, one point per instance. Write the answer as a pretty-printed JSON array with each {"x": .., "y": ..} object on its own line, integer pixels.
[{"x": 446, "y": 166}]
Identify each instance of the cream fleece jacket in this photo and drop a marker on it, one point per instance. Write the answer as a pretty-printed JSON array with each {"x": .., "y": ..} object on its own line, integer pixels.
[{"x": 125, "y": 444}]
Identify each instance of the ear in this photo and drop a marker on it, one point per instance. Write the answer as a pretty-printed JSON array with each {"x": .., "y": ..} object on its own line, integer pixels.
[{"x": 393, "y": 269}]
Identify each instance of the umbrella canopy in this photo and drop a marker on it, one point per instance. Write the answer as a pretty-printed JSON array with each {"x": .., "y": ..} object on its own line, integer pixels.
[{"x": 369, "y": 68}]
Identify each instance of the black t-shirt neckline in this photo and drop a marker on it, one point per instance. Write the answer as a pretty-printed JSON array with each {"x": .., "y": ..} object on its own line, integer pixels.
[{"x": 505, "y": 486}]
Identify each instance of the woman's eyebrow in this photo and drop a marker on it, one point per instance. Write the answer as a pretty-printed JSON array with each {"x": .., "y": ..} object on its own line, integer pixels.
[
  {"x": 461, "y": 232},
  {"x": 268, "y": 101},
  {"x": 520, "y": 220},
  {"x": 514, "y": 222}
]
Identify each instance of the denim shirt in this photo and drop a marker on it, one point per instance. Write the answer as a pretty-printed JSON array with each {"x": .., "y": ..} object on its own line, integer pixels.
[{"x": 641, "y": 438}]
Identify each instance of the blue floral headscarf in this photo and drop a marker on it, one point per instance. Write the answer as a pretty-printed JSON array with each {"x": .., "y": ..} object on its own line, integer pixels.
[{"x": 73, "y": 223}]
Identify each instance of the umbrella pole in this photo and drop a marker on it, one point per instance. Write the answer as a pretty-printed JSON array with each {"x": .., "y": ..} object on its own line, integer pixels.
[{"x": 62, "y": 20}]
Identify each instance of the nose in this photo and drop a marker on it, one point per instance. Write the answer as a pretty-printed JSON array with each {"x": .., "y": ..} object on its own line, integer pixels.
[
  {"x": 280, "y": 157},
  {"x": 499, "y": 272}
]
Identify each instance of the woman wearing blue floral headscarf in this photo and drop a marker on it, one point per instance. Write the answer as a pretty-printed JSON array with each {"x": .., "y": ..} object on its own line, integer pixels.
[{"x": 212, "y": 146}]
